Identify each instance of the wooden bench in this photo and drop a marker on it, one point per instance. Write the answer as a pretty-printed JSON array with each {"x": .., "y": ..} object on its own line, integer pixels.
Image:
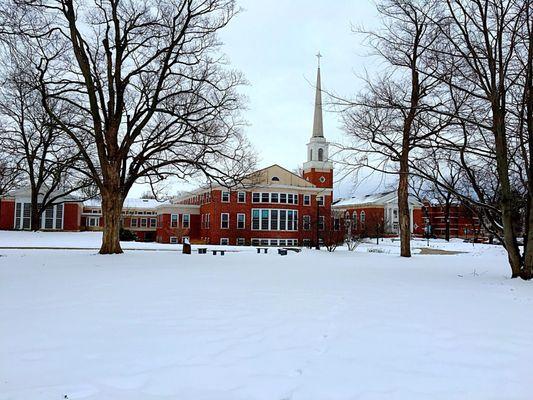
[
  {"x": 218, "y": 251},
  {"x": 282, "y": 252},
  {"x": 295, "y": 249},
  {"x": 265, "y": 250},
  {"x": 202, "y": 250}
]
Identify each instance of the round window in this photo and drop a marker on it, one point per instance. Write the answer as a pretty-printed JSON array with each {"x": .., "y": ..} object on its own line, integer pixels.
[{"x": 322, "y": 179}]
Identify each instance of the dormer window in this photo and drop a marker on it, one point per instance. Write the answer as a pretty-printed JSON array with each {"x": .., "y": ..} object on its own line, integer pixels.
[{"x": 275, "y": 179}]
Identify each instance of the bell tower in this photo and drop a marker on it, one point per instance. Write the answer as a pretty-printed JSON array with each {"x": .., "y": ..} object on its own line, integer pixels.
[{"x": 318, "y": 169}]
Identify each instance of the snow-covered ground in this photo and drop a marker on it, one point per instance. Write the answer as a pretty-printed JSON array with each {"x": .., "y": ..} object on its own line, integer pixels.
[{"x": 308, "y": 326}]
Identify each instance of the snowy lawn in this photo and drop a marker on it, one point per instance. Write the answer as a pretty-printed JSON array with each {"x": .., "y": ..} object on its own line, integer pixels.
[{"x": 309, "y": 326}]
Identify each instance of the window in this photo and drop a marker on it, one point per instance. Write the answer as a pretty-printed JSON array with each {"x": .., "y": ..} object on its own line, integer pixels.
[
  {"x": 264, "y": 219},
  {"x": 241, "y": 242},
  {"x": 273, "y": 220},
  {"x": 354, "y": 218},
  {"x": 173, "y": 240},
  {"x": 207, "y": 221},
  {"x": 320, "y": 200},
  {"x": 224, "y": 241},
  {"x": 49, "y": 217},
  {"x": 26, "y": 216},
  {"x": 310, "y": 154},
  {"x": 225, "y": 197},
  {"x": 307, "y": 222},
  {"x": 241, "y": 197},
  {"x": 363, "y": 217},
  {"x": 255, "y": 219},
  {"x": 275, "y": 179},
  {"x": 265, "y": 197},
  {"x": 320, "y": 154},
  {"x": 282, "y": 220},
  {"x": 144, "y": 222},
  {"x": 224, "y": 221},
  {"x": 241, "y": 219},
  {"x": 92, "y": 221},
  {"x": 290, "y": 198},
  {"x": 283, "y": 198},
  {"x": 174, "y": 221},
  {"x": 256, "y": 197},
  {"x": 186, "y": 221},
  {"x": 59, "y": 216},
  {"x": 133, "y": 222},
  {"x": 307, "y": 200},
  {"x": 336, "y": 224},
  {"x": 153, "y": 222},
  {"x": 321, "y": 223},
  {"x": 274, "y": 197}
]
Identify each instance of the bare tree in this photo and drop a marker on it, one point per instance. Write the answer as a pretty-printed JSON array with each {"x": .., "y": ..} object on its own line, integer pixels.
[
  {"x": 389, "y": 121},
  {"x": 44, "y": 160},
  {"x": 485, "y": 52},
  {"x": 152, "y": 95}
]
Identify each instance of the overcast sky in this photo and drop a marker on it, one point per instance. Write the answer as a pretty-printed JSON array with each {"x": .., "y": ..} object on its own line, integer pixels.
[{"x": 274, "y": 44}]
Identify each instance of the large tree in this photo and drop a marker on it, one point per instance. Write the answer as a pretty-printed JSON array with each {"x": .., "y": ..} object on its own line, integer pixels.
[
  {"x": 387, "y": 122},
  {"x": 152, "y": 96}
]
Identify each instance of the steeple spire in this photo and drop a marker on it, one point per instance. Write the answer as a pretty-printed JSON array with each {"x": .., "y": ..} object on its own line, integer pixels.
[{"x": 318, "y": 128}]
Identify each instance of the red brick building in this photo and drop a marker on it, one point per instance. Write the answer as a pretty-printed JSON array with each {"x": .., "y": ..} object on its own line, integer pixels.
[
  {"x": 377, "y": 214},
  {"x": 15, "y": 213},
  {"x": 463, "y": 222}
]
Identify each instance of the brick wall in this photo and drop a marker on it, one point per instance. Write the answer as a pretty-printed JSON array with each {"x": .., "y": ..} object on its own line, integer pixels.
[{"x": 7, "y": 214}]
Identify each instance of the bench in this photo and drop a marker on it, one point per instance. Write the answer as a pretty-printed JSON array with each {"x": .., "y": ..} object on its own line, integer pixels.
[
  {"x": 295, "y": 249},
  {"x": 218, "y": 251},
  {"x": 202, "y": 250},
  {"x": 282, "y": 252},
  {"x": 265, "y": 250}
]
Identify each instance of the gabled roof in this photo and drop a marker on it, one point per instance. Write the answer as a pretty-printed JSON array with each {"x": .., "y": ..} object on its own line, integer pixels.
[
  {"x": 277, "y": 175},
  {"x": 130, "y": 203},
  {"x": 374, "y": 199}
]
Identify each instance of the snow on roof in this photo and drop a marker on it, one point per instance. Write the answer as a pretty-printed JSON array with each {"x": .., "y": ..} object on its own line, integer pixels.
[
  {"x": 130, "y": 203},
  {"x": 372, "y": 199}
]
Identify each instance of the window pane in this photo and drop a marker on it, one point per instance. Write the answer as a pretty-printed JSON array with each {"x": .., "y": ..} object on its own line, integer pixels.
[
  {"x": 274, "y": 197},
  {"x": 255, "y": 197},
  {"x": 264, "y": 220},
  {"x": 265, "y": 197},
  {"x": 274, "y": 220},
  {"x": 283, "y": 198},
  {"x": 282, "y": 220}
]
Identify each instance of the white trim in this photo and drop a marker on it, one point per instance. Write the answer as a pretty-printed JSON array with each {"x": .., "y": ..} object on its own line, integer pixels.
[
  {"x": 224, "y": 244},
  {"x": 222, "y": 220}
]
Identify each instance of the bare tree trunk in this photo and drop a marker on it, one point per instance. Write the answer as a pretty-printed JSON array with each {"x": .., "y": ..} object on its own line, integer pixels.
[
  {"x": 502, "y": 162},
  {"x": 112, "y": 202},
  {"x": 34, "y": 217},
  {"x": 447, "y": 219},
  {"x": 403, "y": 208}
]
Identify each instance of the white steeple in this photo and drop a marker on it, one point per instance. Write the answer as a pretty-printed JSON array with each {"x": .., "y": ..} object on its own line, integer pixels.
[{"x": 318, "y": 146}]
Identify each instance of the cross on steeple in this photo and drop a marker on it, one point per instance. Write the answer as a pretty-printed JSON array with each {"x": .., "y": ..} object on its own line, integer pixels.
[{"x": 319, "y": 56}]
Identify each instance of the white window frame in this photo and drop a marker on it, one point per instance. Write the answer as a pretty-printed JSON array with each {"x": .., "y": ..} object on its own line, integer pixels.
[
  {"x": 222, "y": 221},
  {"x": 243, "y": 220},
  {"x": 224, "y": 192},
  {"x": 186, "y": 218},
  {"x": 307, "y": 199},
  {"x": 226, "y": 240},
  {"x": 172, "y": 222},
  {"x": 173, "y": 240},
  {"x": 92, "y": 218},
  {"x": 239, "y": 196},
  {"x": 132, "y": 224},
  {"x": 145, "y": 224},
  {"x": 320, "y": 201},
  {"x": 241, "y": 241}
]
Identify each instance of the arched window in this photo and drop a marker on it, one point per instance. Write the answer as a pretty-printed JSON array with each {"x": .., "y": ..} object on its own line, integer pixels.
[
  {"x": 275, "y": 179},
  {"x": 363, "y": 217},
  {"x": 310, "y": 154},
  {"x": 354, "y": 217},
  {"x": 320, "y": 154}
]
